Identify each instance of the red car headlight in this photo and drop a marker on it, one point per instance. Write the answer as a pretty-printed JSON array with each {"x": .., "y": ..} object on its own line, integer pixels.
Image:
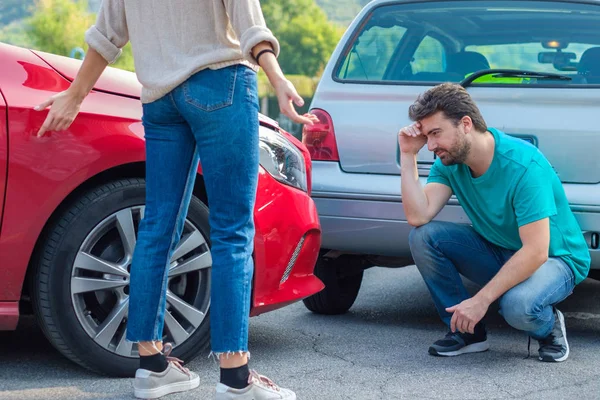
[{"x": 282, "y": 160}]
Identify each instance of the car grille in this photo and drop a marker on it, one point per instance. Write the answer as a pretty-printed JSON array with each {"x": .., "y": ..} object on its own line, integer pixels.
[{"x": 292, "y": 262}]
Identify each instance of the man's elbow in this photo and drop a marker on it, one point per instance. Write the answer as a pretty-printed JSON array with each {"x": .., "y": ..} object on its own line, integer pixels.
[
  {"x": 540, "y": 255},
  {"x": 417, "y": 221}
]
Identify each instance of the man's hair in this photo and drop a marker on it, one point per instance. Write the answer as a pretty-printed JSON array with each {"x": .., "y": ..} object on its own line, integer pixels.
[{"x": 453, "y": 100}]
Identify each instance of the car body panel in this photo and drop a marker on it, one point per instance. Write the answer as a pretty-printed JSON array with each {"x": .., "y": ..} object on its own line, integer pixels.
[
  {"x": 277, "y": 240},
  {"x": 113, "y": 80}
]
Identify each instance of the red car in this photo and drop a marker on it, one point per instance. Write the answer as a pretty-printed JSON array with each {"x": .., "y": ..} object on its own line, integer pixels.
[{"x": 71, "y": 202}]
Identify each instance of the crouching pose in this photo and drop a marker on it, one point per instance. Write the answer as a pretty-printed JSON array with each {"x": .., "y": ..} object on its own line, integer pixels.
[{"x": 524, "y": 246}]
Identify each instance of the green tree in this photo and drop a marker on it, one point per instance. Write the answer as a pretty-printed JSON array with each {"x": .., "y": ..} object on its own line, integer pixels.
[
  {"x": 341, "y": 11},
  {"x": 306, "y": 36},
  {"x": 13, "y": 10},
  {"x": 14, "y": 34},
  {"x": 58, "y": 27}
]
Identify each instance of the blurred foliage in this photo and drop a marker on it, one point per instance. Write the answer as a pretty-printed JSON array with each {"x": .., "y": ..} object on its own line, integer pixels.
[
  {"x": 14, "y": 10},
  {"x": 305, "y": 85},
  {"x": 58, "y": 27},
  {"x": 342, "y": 11},
  {"x": 306, "y": 36}
]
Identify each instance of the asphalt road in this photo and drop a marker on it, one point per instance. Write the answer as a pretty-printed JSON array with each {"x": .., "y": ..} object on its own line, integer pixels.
[{"x": 378, "y": 350}]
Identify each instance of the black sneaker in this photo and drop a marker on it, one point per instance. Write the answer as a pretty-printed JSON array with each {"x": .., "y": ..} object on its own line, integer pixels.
[
  {"x": 555, "y": 347},
  {"x": 455, "y": 344}
]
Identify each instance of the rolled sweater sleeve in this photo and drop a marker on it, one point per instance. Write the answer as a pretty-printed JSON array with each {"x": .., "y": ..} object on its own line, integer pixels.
[
  {"x": 110, "y": 34},
  {"x": 248, "y": 22}
]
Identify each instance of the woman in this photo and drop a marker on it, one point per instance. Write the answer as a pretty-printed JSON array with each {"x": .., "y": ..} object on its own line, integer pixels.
[{"x": 197, "y": 62}]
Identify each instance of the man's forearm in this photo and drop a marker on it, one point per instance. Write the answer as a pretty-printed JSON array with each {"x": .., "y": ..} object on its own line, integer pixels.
[
  {"x": 414, "y": 200},
  {"x": 89, "y": 73},
  {"x": 518, "y": 268}
]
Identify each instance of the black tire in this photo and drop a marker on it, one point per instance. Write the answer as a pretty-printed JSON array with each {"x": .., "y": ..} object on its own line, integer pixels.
[
  {"x": 341, "y": 287},
  {"x": 51, "y": 283}
]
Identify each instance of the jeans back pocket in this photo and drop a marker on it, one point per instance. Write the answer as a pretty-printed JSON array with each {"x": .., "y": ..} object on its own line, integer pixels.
[{"x": 210, "y": 90}]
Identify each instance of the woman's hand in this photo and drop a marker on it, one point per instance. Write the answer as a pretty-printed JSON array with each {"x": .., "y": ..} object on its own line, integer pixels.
[
  {"x": 64, "y": 108},
  {"x": 287, "y": 96},
  {"x": 65, "y": 105},
  {"x": 286, "y": 93}
]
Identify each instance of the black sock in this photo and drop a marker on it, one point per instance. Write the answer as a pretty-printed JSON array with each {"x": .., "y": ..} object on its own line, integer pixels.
[
  {"x": 236, "y": 378},
  {"x": 157, "y": 362}
]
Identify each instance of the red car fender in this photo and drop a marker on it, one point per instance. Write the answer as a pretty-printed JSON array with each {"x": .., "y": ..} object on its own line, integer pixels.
[{"x": 38, "y": 181}]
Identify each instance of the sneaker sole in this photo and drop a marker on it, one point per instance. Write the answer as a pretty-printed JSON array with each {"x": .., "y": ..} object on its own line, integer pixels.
[
  {"x": 563, "y": 328},
  {"x": 167, "y": 389},
  {"x": 472, "y": 348},
  {"x": 222, "y": 393},
  {"x": 227, "y": 396}
]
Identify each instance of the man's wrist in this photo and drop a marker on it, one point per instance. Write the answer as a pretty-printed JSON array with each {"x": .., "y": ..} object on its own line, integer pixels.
[
  {"x": 407, "y": 158},
  {"x": 407, "y": 154},
  {"x": 484, "y": 297}
]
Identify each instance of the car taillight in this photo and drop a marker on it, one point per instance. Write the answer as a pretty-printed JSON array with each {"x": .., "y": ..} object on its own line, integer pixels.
[{"x": 319, "y": 138}]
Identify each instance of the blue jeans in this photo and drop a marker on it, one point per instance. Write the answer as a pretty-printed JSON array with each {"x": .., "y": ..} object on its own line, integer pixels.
[
  {"x": 212, "y": 118},
  {"x": 443, "y": 251}
]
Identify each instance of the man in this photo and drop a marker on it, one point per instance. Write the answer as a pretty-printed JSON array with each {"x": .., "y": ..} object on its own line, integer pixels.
[{"x": 524, "y": 247}]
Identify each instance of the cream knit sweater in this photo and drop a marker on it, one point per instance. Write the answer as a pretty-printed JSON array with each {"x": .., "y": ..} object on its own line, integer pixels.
[{"x": 173, "y": 39}]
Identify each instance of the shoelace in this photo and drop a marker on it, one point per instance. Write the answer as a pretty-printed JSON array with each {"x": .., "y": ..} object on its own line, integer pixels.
[
  {"x": 261, "y": 380},
  {"x": 548, "y": 343},
  {"x": 167, "y": 348}
]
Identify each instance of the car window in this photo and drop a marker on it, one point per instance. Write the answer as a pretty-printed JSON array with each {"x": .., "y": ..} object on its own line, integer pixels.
[
  {"x": 429, "y": 56},
  {"x": 527, "y": 56},
  {"x": 372, "y": 51},
  {"x": 432, "y": 42}
]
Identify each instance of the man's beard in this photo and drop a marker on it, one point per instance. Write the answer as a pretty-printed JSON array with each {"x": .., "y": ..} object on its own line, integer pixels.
[{"x": 457, "y": 154}]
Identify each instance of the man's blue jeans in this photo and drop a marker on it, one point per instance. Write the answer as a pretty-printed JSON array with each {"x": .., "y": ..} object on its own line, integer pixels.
[
  {"x": 212, "y": 117},
  {"x": 443, "y": 251}
]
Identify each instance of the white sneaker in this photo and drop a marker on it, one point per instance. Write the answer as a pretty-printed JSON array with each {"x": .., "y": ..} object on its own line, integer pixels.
[
  {"x": 176, "y": 378},
  {"x": 259, "y": 388}
]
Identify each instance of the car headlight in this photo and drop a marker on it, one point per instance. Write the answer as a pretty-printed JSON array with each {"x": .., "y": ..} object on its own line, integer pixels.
[{"x": 282, "y": 160}]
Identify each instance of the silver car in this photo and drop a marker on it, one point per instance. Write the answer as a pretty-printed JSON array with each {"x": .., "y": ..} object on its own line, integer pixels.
[{"x": 533, "y": 67}]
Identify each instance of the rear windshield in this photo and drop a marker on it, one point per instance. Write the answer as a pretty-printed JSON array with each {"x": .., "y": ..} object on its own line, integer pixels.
[{"x": 433, "y": 42}]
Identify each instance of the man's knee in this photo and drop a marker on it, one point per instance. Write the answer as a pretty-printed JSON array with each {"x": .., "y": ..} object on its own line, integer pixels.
[
  {"x": 519, "y": 309},
  {"x": 424, "y": 234}
]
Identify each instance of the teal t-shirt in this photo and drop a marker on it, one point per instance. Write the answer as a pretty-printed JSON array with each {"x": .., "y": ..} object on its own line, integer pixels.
[{"x": 519, "y": 187}]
